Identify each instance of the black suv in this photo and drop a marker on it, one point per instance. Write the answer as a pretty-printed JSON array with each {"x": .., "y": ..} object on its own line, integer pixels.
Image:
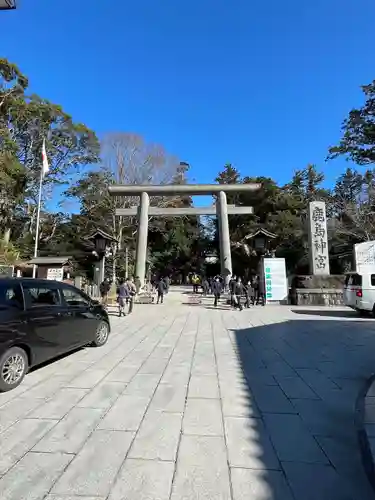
[{"x": 42, "y": 319}]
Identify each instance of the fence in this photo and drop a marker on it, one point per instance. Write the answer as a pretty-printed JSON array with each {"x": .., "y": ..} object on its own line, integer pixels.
[{"x": 92, "y": 291}]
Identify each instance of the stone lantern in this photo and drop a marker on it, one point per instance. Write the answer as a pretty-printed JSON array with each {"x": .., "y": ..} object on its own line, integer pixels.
[
  {"x": 262, "y": 242},
  {"x": 102, "y": 242},
  {"x": 211, "y": 258}
]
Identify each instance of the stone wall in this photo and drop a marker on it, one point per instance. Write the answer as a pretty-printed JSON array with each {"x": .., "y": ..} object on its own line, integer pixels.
[
  {"x": 318, "y": 297},
  {"x": 317, "y": 290}
]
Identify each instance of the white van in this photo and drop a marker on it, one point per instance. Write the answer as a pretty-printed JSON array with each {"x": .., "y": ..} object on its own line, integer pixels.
[{"x": 359, "y": 291}]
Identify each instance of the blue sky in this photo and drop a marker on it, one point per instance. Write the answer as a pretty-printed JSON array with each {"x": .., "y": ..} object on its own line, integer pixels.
[{"x": 264, "y": 85}]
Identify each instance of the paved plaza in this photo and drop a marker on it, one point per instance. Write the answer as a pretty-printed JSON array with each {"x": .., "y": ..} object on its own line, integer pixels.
[{"x": 186, "y": 402}]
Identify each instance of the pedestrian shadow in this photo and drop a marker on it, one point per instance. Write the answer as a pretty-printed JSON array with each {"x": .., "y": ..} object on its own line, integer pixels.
[
  {"x": 333, "y": 313},
  {"x": 219, "y": 307},
  {"x": 294, "y": 433}
]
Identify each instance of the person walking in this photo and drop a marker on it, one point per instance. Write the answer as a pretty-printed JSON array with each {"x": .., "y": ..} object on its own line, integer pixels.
[
  {"x": 137, "y": 284},
  {"x": 238, "y": 292},
  {"x": 248, "y": 293},
  {"x": 161, "y": 291},
  {"x": 205, "y": 286},
  {"x": 167, "y": 282},
  {"x": 195, "y": 281},
  {"x": 132, "y": 293},
  {"x": 261, "y": 292},
  {"x": 232, "y": 285},
  {"x": 216, "y": 289},
  {"x": 104, "y": 288},
  {"x": 255, "y": 290},
  {"x": 122, "y": 297}
]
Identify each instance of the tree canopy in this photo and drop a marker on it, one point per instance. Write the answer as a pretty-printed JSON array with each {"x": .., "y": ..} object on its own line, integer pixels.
[{"x": 358, "y": 141}]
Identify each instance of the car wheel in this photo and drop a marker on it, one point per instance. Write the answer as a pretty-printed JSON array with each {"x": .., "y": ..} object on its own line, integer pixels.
[
  {"x": 13, "y": 368},
  {"x": 101, "y": 335},
  {"x": 362, "y": 312}
]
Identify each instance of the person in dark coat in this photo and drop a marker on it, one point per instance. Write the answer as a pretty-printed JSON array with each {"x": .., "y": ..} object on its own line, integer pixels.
[
  {"x": 248, "y": 293},
  {"x": 161, "y": 288},
  {"x": 261, "y": 292},
  {"x": 256, "y": 289},
  {"x": 216, "y": 290},
  {"x": 123, "y": 295},
  {"x": 232, "y": 284},
  {"x": 167, "y": 282},
  {"x": 238, "y": 292},
  {"x": 104, "y": 289},
  {"x": 205, "y": 286}
]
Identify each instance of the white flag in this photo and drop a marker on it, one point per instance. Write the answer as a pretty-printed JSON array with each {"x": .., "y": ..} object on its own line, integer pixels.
[{"x": 45, "y": 167}]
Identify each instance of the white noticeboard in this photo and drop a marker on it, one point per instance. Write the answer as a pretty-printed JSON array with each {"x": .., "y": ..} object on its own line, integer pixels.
[
  {"x": 364, "y": 255},
  {"x": 275, "y": 281},
  {"x": 55, "y": 273}
]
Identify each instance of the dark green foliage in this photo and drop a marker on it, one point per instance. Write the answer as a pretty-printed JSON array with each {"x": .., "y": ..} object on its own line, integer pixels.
[
  {"x": 358, "y": 141},
  {"x": 283, "y": 211}
]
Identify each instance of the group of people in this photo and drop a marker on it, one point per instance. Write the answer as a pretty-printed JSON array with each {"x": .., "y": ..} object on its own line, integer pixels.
[
  {"x": 127, "y": 289},
  {"x": 252, "y": 291},
  {"x": 241, "y": 294}
]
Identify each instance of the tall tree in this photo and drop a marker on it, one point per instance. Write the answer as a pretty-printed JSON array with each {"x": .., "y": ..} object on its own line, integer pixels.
[
  {"x": 354, "y": 201},
  {"x": 12, "y": 83},
  {"x": 129, "y": 159},
  {"x": 358, "y": 141},
  {"x": 24, "y": 122},
  {"x": 12, "y": 186},
  {"x": 348, "y": 187}
]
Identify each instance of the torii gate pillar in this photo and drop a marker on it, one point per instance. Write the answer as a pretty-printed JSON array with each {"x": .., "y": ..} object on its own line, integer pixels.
[
  {"x": 142, "y": 233},
  {"x": 224, "y": 237}
]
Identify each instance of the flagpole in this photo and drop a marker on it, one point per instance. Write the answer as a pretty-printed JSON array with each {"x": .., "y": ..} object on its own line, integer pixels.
[{"x": 38, "y": 220}]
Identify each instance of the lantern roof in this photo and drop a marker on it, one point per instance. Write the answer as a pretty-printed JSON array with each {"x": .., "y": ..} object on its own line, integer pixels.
[
  {"x": 58, "y": 260},
  {"x": 261, "y": 232},
  {"x": 99, "y": 233}
]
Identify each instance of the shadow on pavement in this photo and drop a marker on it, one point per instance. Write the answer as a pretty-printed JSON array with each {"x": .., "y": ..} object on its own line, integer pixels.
[
  {"x": 332, "y": 313},
  {"x": 53, "y": 360},
  {"x": 219, "y": 307},
  {"x": 297, "y": 438}
]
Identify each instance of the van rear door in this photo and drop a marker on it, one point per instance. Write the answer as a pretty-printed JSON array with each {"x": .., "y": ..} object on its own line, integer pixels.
[{"x": 353, "y": 283}]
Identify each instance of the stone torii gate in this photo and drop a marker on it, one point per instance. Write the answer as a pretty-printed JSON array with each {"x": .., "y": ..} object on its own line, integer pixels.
[{"x": 221, "y": 210}]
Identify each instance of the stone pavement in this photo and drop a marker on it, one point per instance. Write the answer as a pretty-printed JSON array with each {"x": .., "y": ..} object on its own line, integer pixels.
[{"x": 190, "y": 403}]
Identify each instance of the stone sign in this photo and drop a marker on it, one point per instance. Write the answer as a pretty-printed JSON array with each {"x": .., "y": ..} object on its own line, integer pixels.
[{"x": 318, "y": 239}]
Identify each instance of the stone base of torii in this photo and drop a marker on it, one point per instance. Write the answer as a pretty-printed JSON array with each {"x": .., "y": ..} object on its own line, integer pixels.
[{"x": 221, "y": 210}]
